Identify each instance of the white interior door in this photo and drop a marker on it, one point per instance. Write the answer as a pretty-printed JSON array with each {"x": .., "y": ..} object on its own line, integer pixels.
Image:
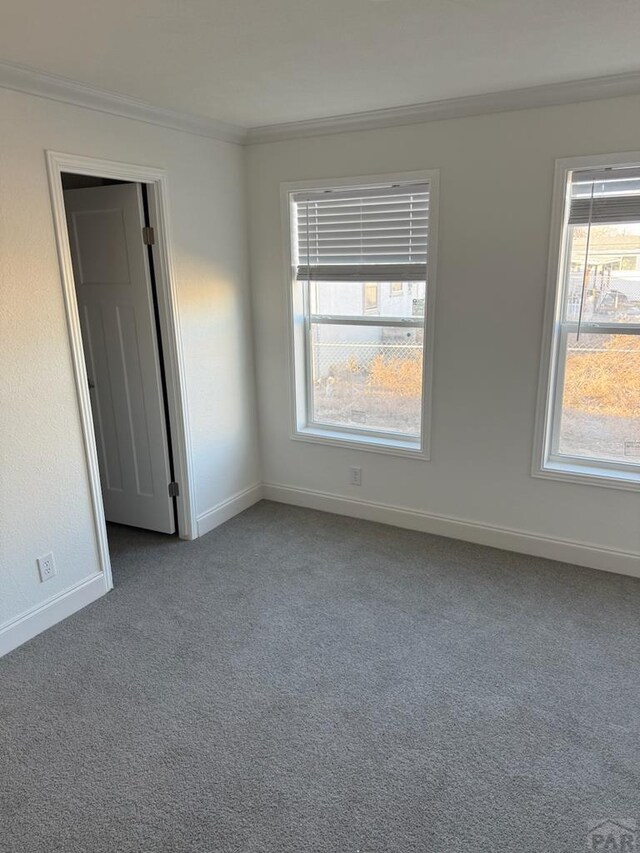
[{"x": 115, "y": 301}]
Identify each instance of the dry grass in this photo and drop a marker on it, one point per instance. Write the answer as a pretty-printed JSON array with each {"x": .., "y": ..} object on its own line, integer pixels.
[
  {"x": 401, "y": 376},
  {"x": 607, "y": 381}
]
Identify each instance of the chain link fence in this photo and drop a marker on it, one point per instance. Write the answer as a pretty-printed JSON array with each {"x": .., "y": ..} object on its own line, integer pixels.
[
  {"x": 368, "y": 383},
  {"x": 338, "y": 359},
  {"x": 601, "y": 397}
]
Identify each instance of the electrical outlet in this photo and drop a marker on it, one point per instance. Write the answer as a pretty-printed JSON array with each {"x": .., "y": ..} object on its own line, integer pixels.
[
  {"x": 46, "y": 567},
  {"x": 356, "y": 476}
]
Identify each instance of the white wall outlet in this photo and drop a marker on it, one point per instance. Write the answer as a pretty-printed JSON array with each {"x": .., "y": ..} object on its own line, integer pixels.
[
  {"x": 355, "y": 476},
  {"x": 46, "y": 567}
]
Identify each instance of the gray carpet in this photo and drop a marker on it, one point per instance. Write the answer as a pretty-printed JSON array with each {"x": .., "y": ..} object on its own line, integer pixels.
[{"x": 297, "y": 682}]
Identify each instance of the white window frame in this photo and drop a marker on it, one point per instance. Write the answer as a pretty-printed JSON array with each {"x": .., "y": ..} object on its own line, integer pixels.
[
  {"x": 296, "y": 293},
  {"x": 547, "y": 462}
]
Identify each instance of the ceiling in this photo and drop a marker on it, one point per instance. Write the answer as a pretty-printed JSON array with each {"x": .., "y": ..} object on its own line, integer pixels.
[{"x": 261, "y": 62}]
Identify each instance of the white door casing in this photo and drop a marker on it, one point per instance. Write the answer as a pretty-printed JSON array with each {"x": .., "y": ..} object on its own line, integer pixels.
[{"x": 115, "y": 303}]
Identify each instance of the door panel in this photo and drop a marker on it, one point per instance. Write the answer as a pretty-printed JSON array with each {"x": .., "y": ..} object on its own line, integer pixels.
[
  {"x": 104, "y": 422},
  {"x": 113, "y": 288}
]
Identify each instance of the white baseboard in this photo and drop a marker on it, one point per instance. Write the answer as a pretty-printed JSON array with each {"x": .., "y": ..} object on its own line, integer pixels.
[
  {"x": 567, "y": 551},
  {"x": 38, "y": 619},
  {"x": 222, "y": 512},
  {"x": 69, "y": 601},
  {"x": 43, "y": 616}
]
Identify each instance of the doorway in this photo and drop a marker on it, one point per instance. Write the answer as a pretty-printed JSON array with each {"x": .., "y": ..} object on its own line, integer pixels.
[{"x": 110, "y": 221}]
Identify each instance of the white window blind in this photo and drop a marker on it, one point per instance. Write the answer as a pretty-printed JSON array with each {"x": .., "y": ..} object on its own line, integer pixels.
[
  {"x": 362, "y": 234},
  {"x": 605, "y": 196}
]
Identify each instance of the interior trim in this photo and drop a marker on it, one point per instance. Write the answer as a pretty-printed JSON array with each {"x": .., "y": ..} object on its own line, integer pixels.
[
  {"x": 37, "y": 619},
  {"x": 549, "y": 95},
  {"x": 227, "y": 509},
  {"x": 55, "y": 88},
  {"x": 20, "y": 78},
  {"x": 503, "y": 538},
  {"x": 43, "y": 616},
  {"x": 156, "y": 179}
]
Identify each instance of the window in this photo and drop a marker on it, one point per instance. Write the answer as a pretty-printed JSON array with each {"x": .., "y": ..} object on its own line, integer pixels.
[
  {"x": 362, "y": 269},
  {"x": 592, "y": 419},
  {"x": 371, "y": 299}
]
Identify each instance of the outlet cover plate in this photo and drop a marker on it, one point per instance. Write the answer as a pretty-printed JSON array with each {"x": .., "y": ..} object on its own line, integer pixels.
[{"x": 46, "y": 567}]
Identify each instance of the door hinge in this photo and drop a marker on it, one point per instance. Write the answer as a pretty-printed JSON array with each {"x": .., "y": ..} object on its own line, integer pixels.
[
  {"x": 174, "y": 490},
  {"x": 148, "y": 236}
]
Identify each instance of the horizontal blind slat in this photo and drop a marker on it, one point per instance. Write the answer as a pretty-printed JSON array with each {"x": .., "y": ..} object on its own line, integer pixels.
[
  {"x": 369, "y": 240},
  {"x": 376, "y": 229},
  {"x": 400, "y": 204},
  {"x": 367, "y": 272},
  {"x": 609, "y": 209},
  {"x": 381, "y": 192},
  {"x": 379, "y": 232},
  {"x": 366, "y": 204},
  {"x": 606, "y": 195},
  {"x": 416, "y": 217},
  {"x": 353, "y": 260}
]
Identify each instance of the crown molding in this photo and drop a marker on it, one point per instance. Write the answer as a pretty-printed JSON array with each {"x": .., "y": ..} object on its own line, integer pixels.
[
  {"x": 551, "y": 94},
  {"x": 33, "y": 82}
]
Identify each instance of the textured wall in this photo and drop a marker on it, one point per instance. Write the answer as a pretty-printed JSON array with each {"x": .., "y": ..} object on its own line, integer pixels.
[
  {"x": 495, "y": 208},
  {"x": 44, "y": 497}
]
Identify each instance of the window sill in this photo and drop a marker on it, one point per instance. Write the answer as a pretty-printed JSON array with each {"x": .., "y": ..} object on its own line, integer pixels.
[
  {"x": 371, "y": 444},
  {"x": 592, "y": 475}
]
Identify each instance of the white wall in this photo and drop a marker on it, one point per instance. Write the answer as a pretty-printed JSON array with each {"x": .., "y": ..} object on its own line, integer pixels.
[
  {"x": 495, "y": 205},
  {"x": 44, "y": 496},
  {"x": 496, "y": 176}
]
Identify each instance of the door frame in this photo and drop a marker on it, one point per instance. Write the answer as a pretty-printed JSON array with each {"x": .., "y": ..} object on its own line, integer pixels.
[{"x": 171, "y": 338}]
